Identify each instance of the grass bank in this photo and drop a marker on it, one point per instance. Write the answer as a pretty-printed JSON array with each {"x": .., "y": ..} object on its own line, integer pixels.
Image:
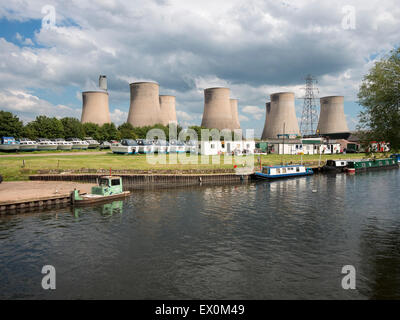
[{"x": 19, "y": 168}]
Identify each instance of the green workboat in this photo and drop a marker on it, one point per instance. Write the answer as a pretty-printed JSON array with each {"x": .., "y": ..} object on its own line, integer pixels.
[
  {"x": 372, "y": 164},
  {"x": 108, "y": 188}
]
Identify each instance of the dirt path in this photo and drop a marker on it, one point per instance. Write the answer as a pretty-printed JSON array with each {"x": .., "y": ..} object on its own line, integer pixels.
[{"x": 26, "y": 190}]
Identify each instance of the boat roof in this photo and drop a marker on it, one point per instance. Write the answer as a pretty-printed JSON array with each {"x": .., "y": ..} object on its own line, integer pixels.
[{"x": 287, "y": 166}]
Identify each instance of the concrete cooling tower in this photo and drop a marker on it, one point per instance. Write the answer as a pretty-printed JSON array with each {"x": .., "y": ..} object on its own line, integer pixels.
[
  {"x": 167, "y": 110},
  {"x": 144, "y": 109},
  {"x": 95, "y": 107},
  {"x": 267, "y": 111},
  {"x": 332, "y": 121},
  {"x": 235, "y": 115},
  {"x": 217, "y": 109},
  {"x": 280, "y": 116}
]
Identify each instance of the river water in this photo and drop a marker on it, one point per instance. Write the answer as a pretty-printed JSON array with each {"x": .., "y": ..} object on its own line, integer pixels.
[{"x": 285, "y": 239}]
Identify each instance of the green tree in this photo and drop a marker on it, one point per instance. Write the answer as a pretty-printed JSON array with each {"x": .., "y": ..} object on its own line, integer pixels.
[
  {"x": 29, "y": 131},
  {"x": 10, "y": 125},
  {"x": 380, "y": 97},
  {"x": 73, "y": 128},
  {"x": 108, "y": 131},
  {"x": 46, "y": 127},
  {"x": 127, "y": 131},
  {"x": 92, "y": 130}
]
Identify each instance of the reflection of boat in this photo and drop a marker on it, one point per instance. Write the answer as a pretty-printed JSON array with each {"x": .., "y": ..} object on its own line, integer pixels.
[
  {"x": 107, "y": 209},
  {"x": 335, "y": 166},
  {"x": 289, "y": 171},
  {"x": 109, "y": 188}
]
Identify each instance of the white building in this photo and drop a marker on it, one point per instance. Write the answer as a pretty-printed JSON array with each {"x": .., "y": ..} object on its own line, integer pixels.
[{"x": 211, "y": 148}]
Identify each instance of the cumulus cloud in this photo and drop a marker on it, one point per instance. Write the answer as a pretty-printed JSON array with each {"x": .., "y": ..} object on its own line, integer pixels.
[{"x": 254, "y": 47}]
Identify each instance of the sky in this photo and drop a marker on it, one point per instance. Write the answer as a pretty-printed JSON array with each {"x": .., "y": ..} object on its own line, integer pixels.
[{"x": 51, "y": 51}]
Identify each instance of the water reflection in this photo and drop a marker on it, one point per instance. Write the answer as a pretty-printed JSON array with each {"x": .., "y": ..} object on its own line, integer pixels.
[{"x": 107, "y": 210}]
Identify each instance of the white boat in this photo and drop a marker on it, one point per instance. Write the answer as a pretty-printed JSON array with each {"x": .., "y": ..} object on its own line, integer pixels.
[
  {"x": 161, "y": 146},
  {"x": 93, "y": 144},
  {"x": 191, "y": 146},
  {"x": 8, "y": 144},
  {"x": 63, "y": 145},
  {"x": 46, "y": 144},
  {"x": 126, "y": 146},
  {"x": 277, "y": 172},
  {"x": 177, "y": 146},
  {"x": 105, "y": 145},
  {"x": 78, "y": 144},
  {"x": 27, "y": 145},
  {"x": 145, "y": 146}
]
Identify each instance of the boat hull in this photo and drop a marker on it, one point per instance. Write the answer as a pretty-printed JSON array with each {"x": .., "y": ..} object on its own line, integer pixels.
[
  {"x": 46, "y": 147},
  {"x": 64, "y": 147},
  {"x": 262, "y": 176},
  {"x": 100, "y": 199},
  {"x": 9, "y": 147}
]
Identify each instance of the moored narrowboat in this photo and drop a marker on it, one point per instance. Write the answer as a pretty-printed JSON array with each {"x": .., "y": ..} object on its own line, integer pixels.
[
  {"x": 335, "y": 166},
  {"x": 372, "y": 164},
  {"x": 288, "y": 171}
]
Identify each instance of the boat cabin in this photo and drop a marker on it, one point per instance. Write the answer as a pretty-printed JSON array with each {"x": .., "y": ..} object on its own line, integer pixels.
[
  {"x": 283, "y": 170},
  {"x": 108, "y": 185},
  {"x": 337, "y": 163}
]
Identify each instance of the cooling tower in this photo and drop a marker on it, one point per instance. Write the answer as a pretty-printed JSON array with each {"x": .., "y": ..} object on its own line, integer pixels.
[
  {"x": 217, "y": 109},
  {"x": 267, "y": 111},
  {"x": 144, "y": 109},
  {"x": 95, "y": 107},
  {"x": 103, "y": 83},
  {"x": 332, "y": 121},
  {"x": 235, "y": 115},
  {"x": 167, "y": 110},
  {"x": 280, "y": 116}
]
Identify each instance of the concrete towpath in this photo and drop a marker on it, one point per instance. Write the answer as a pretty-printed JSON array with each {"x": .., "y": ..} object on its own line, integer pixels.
[{"x": 32, "y": 190}]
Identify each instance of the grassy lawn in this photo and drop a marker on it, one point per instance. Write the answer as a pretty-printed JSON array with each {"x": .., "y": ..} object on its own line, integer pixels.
[
  {"x": 49, "y": 151},
  {"x": 19, "y": 168}
]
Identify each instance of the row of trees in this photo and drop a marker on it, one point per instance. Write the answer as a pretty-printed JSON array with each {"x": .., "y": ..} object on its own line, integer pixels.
[{"x": 52, "y": 128}]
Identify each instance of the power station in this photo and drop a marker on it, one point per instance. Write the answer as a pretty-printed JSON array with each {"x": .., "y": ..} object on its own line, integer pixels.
[
  {"x": 217, "y": 109},
  {"x": 95, "y": 107},
  {"x": 280, "y": 116},
  {"x": 235, "y": 114},
  {"x": 167, "y": 110},
  {"x": 148, "y": 107},
  {"x": 332, "y": 120},
  {"x": 144, "y": 108}
]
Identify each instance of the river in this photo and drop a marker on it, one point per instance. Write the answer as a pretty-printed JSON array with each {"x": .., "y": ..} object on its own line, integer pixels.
[{"x": 285, "y": 239}]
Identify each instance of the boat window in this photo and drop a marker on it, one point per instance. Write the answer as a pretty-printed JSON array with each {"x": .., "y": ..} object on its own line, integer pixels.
[
  {"x": 298, "y": 169},
  {"x": 103, "y": 182},
  {"x": 115, "y": 182},
  {"x": 278, "y": 170},
  {"x": 283, "y": 170}
]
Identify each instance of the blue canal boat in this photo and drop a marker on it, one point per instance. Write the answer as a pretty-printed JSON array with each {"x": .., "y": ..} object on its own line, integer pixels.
[
  {"x": 279, "y": 172},
  {"x": 396, "y": 156}
]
